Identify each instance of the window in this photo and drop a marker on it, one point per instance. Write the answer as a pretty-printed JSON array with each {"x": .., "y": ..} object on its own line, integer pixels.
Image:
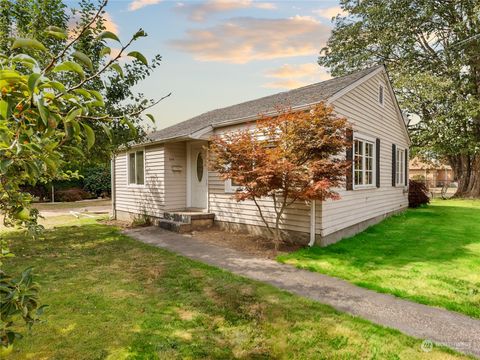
[
  {"x": 380, "y": 94},
  {"x": 136, "y": 170},
  {"x": 400, "y": 167},
  {"x": 199, "y": 167},
  {"x": 363, "y": 163}
]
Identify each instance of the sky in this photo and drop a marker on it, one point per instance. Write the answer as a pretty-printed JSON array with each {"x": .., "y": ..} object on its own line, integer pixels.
[{"x": 217, "y": 53}]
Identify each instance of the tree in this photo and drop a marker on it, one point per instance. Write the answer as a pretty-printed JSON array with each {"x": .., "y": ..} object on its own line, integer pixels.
[
  {"x": 432, "y": 51},
  {"x": 47, "y": 113},
  {"x": 291, "y": 156},
  {"x": 31, "y": 18}
]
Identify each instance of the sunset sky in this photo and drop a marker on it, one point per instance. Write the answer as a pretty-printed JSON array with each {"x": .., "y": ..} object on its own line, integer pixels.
[{"x": 218, "y": 53}]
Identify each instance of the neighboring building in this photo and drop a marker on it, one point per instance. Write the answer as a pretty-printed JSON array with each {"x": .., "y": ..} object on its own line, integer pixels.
[
  {"x": 169, "y": 173},
  {"x": 433, "y": 173}
]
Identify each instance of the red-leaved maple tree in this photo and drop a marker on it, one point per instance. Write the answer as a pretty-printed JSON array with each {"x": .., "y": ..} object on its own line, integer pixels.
[{"x": 288, "y": 157}]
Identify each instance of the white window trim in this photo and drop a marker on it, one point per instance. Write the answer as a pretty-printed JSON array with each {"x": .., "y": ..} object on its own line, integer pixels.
[
  {"x": 231, "y": 189},
  {"x": 373, "y": 141},
  {"x": 144, "y": 169},
  {"x": 402, "y": 178},
  {"x": 381, "y": 85}
]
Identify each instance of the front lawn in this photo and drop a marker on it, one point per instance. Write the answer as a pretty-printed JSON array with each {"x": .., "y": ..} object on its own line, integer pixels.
[
  {"x": 111, "y": 297},
  {"x": 430, "y": 255}
]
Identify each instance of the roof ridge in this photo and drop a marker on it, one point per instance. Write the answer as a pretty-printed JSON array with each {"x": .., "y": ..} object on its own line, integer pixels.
[
  {"x": 308, "y": 94},
  {"x": 368, "y": 70}
]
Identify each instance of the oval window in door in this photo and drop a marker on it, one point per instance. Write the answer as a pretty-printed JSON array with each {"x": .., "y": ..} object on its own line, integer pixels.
[{"x": 199, "y": 166}]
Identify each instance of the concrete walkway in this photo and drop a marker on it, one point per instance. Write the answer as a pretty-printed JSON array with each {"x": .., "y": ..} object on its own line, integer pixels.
[{"x": 440, "y": 326}]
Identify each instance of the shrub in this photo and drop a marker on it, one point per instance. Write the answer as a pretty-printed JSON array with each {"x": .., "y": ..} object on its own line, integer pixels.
[
  {"x": 417, "y": 194},
  {"x": 75, "y": 194},
  {"x": 96, "y": 180},
  {"x": 40, "y": 191}
]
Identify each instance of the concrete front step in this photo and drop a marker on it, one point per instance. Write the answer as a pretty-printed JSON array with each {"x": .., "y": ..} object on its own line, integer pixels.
[
  {"x": 185, "y": 221},
  {"x": 175, "y": 226}
]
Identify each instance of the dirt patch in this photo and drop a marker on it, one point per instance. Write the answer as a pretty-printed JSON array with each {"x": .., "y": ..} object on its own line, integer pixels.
[
  {"x": 122, "y": 224},
  {"x": 247, "y": 243}
]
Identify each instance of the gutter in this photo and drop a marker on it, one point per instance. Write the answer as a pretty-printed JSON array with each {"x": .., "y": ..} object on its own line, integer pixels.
[{"x": 312, "y": 223}]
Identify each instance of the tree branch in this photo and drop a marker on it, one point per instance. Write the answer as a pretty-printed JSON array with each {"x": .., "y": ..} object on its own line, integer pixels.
[{"x": 70, "y": 44}]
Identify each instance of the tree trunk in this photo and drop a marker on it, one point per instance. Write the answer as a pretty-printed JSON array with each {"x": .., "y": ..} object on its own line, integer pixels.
[{"x": 466, "y": 171}]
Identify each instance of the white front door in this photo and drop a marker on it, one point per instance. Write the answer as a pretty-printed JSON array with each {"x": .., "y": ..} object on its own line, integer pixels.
[{"x": 198, "y": 176}]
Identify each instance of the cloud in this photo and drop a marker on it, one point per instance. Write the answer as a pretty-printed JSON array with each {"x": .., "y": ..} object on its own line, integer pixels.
[
  {"x": 110, "y": 24},
  {"x": 74, "y": 20},
  {"x": 292, "y": 76},
  {"x": 199, "y": 11},
  {"x": 138, "y": 4},
  {"x": 241, "y": 40},
  {"x": 330, "y": 12}
]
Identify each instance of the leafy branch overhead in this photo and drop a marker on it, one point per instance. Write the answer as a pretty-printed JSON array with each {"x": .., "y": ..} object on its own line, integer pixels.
[{"x": 59, "y": 94}]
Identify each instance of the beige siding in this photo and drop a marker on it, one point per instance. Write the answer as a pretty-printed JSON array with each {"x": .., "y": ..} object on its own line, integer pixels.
[
  {"x": 146, "y": 199},
  {"x": 226, "y": 208},
  {"x": 175, "y": 176},
  {"x": 368, "y": 117},
  {"x": 361, "y": 108}
]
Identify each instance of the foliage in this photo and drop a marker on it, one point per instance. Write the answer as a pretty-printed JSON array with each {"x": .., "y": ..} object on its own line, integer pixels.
[
  {"x": 93, "y": 50},
  {"x": 49, "y": 112},
  {"x": 432, "y": 52},
  {"x": 417, "y": 194},
  {"x": 72, "y": 194},
  {"x": 97, "y": 180},
  {"x": 288, "y": 157},
  {"x": 19, "y": 300},
  {"x": 424, "y": 255},
  {"x": 117, "y": 298}
]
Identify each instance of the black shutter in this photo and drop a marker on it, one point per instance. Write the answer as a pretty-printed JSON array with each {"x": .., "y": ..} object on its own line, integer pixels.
[
  {"x": 349, "y": 156},
  {"x": 406, "y": 167},
  {"x": 377, "y": 163},
  {"x": 394, "y": 163}
]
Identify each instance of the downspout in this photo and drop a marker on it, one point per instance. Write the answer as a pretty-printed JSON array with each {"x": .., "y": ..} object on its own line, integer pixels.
[
  {"x": 312, "y": 223},
  {"x": 112, "y": 186}
]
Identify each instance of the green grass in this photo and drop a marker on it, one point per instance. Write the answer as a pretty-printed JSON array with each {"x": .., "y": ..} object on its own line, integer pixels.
[
  {"x": 430, "y": 255},
  {"x": 111, "y": 297}
]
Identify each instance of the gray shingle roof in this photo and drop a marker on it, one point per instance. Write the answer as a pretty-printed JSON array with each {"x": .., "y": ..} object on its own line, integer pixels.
[{"x": 309, "y": 94}]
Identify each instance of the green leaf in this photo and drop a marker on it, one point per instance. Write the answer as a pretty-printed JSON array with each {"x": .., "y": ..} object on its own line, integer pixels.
[
  {"x": 4, "y": 109},
  {"x": 44, "y": 112},
  {"x": 133, "y": 129},
  {"x": 107, "y": 131},
  {"x": 150, "y": 116},
  {"x": 107, "y": 35},
  {"x": 4, "y": 164},
  {"x": 72, "y": 115},
  {"x": 84, "y": 59},
  {"x": 83, "y": 92},
  {"x": 70, "y": 66},
  {"x": 33, "y": 81},
  {"x": 118, "y": 69},
  {"x": 26, "y": 60},
  {"x": 28, "y": 44},
  {"x": 9, "y": 75},
  {"x": 139, "y": 57},
  {"x": 90, "y": 135},
  {"x": 56, "y": 32},
  {"x": 105, "y": 51},
  {"x": 57, "y": 86}
]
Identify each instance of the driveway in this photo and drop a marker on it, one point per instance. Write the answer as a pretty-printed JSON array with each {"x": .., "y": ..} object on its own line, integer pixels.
[
  {"x": 440, "y": 326},
  {"x": 85, "y": 207}
]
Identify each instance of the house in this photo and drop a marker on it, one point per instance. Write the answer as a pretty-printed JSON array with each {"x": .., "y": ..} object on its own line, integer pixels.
[
  {"x": 166, "y": 178},
  {"x": 433, "y": 173}
]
